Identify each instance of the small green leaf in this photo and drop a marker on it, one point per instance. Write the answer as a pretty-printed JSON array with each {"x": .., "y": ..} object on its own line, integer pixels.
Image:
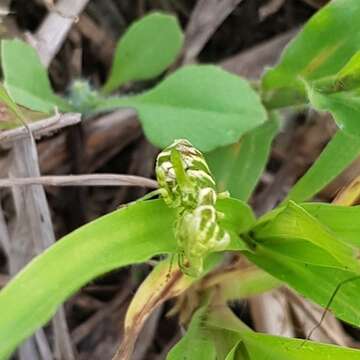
[
  {"x": 238, "y": 220},
  {"x": 26, "y": 79},
  {"x": 147, "y": 48},
  {"x": 237, "y": 168},
  {"x": 196, "y": 343},
  {"x": 338, "y": 154},
  {"x": 203, "y": 104},
  {"x": 322, "y": 48}
]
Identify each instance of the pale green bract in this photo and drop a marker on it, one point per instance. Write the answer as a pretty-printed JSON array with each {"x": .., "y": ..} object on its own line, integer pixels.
[{"x": 186, "y": 184}]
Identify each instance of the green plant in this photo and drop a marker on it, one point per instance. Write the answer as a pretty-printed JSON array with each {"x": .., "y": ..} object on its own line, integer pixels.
[{"x": 300, "y": 244}]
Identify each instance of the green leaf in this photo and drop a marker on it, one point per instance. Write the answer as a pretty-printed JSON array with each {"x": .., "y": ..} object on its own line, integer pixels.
[
  {"x": 340, "y": 94},
  {"x": 147, "y": 48},
  {"x": 317, "y": 283},
  {"x": 322, "y": 48},
  {"x": 127, "y": 236},
  {"x": 344, "y": 106},
  {"x": 246, "y": 344},
  {"x": 26, "y": 79},
  {"x": 196, "y": 343},
  {"x": 348, "y": 78},
  {"x": 204, "y": 104},
  {"x": 238, "y": 220},
  {"x": 245, "y": 283},
  {"x": 339, "y": 153},
  {"x": 295, "y": 233},
  {"x": 307, "y": 258},
  {"x": 237, "y": 168},
  {"x": 342, "y": 220},
  {"x": 263, "y": 346},
  {"x": 233, "y": 354}
]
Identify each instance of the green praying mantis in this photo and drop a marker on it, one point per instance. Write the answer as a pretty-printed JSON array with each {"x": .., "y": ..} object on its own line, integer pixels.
[{"x": 186, "y": 184}]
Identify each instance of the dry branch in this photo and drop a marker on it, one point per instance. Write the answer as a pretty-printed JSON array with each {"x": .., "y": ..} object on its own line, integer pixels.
[{"x": 81, "y": 180}]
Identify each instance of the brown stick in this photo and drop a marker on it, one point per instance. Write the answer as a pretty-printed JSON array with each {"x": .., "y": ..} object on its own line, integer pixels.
[{"x": 81, "y": 180}]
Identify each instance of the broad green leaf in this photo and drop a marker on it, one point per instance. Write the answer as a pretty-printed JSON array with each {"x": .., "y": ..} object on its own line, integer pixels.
[
  {"x": 249, "y": 345},
  {"x": 342, "y": 220},
  {"x": 315, "y": 282},
  {"x": 237, "y": 168},
  {"x": 147, "y": 48},
  {"x": 339, "y": 153},
  {"x": 295, "y": 233},
  {"x": 26, "y": 79},
  {"x": 196, "y": 343},
  {"x": 129, "y": 235},
  {"x": 302, "y": 267},
  {"x": 204, "y": 104},
  {"x": 326, "y": 43}
]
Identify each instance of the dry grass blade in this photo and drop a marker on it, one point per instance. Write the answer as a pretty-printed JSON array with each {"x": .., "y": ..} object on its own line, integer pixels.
[
  {"x": 350, "y": 194},
  {"x": 81, "y": 180},
  {"x": 278, "y": 321},
  {"x": 162, "y": 284}
]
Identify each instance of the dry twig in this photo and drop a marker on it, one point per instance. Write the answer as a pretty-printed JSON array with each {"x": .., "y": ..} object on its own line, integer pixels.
[{"x": 81, "y": 180}]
